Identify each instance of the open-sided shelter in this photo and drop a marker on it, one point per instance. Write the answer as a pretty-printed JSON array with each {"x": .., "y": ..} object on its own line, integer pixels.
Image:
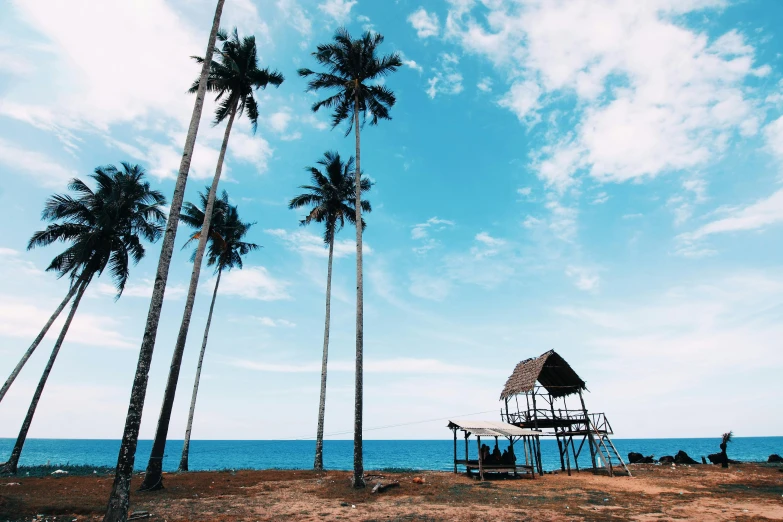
[{"x": 493, "y": 429}]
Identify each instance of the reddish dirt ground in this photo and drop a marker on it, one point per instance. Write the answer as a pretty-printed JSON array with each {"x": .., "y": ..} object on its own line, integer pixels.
[{"x": 656, "y": 492}]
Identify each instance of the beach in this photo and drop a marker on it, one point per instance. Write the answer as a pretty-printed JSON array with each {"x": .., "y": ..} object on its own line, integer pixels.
[{"x": 745, "y": 491}]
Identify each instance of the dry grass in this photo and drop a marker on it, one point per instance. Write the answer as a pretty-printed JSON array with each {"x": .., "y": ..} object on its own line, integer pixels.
[{"x": 744, "y": 492}]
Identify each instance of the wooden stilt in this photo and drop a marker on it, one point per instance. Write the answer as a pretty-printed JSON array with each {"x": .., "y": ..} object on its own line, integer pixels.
[
  {"x": 557, "y": 435},
  {"x": 455, "y": 450},
  {"x": 480, "y": 458},
  {"x": 537, "y": 441}
]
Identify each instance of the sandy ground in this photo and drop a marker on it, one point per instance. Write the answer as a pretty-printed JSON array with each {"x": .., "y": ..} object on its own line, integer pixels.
[{"x": 655, "y": 492}]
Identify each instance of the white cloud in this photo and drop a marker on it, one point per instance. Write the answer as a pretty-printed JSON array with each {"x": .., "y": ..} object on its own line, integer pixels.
[
  {"x": 600, "y": 198},
  {"x": 421, "y": 232},
  {"x": 307, "y": 243},
  {"x": 251, "y": 149},
  {"x": 525, "y": 191},
  {"x": 45, "y": 171},
  {"x": 426, "y": 24},
  {"x": 584, "y": 278},
  {"x": 522, "y": 99},
  {"x": 413, "y": 65},
  {"x": 291, "y": 137},
  {"x": 274, "y": 323},
  {"x": 773, "y": 133},
  {"x": 683, "y": 204},
  {"x": 653, "y": 96},
  {"x": 393, "y": 366},
  {"x": 764, "y": 212},
  {"x": 485, "y": 84},
  {"x": 252, "y": 282},
  {"x": 447, "y": 80},
  {"x": 88, "y": 88},
  {"x": 686, "y": 338},
  {"x": 427, "y": 287},
  {"x": 486, "y": 245},
  {"x": 339, "y": 10},
  {"x": 142, "y": 289},
  {"x": 279, "y": 121},
  {"x": 20, "y": 317},
  {"x": 312, "y": 120},
  {"x": 365, "y": 21},
  {"x": 296, "y": 17}
]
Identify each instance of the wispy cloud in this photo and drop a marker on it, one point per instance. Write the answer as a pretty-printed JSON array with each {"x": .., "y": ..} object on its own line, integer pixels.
[{"x": 393, "y": 366}]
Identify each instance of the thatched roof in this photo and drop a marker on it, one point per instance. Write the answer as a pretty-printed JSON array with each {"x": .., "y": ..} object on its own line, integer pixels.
[{"x": 550, "y": 370}]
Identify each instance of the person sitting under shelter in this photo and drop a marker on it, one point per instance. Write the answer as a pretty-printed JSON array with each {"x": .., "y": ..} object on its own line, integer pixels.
[
  {"x": 485, "y": 455},
  {"x": 496, "y": 456}
]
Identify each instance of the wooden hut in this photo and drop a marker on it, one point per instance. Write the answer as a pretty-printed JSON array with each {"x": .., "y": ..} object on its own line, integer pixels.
[{"x": 545, "y": 383}]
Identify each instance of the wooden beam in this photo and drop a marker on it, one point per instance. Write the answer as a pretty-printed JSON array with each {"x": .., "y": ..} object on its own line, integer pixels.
[{"x": 589, "y": 430}]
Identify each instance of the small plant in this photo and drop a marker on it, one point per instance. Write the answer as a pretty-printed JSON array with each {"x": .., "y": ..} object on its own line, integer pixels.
[{"x": 724, "y": 441}]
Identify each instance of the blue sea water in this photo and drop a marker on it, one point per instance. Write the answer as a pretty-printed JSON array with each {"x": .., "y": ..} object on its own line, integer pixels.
[{"x": 338, "y": 454}]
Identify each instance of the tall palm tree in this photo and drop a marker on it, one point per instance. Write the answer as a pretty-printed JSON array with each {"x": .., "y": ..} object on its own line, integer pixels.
[
  {"x": 333, "y": 200},
  {"x": 225, "y": 252},
  {"x": 104, "y": 228},
  {"x": 352, "y": 65},
  {"x": 119, "y": 498},
  {"x": 234, "y": 77}
]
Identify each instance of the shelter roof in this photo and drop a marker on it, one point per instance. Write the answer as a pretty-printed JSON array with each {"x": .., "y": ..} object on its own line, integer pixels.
[
  {"x": 550, "y": 370},
  {"x": 491, "y": 428}
]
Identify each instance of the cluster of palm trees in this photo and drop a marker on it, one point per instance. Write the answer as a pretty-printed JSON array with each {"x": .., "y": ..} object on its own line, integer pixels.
[{"x": 105, "y": 226}]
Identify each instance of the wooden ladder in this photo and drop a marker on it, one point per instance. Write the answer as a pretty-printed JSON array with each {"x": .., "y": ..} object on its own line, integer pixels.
[{"x": 603, "y": 445}]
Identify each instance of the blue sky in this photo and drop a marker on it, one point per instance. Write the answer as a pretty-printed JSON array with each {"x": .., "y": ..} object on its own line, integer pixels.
[{"x": 602, "y": 178}]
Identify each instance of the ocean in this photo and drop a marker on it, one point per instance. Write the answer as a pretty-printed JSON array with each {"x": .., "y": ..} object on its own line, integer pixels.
[{"x": 338, "y": 454}]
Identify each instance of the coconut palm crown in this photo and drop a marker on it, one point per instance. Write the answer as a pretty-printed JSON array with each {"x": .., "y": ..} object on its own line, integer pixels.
[
  {"x": 225, "y": 248},
  {"x": 351, "y": 65},
  {"x": 105, "y": 226},
  {"x": 332, "y": 195},
  {"x": 235, "y": 75}
]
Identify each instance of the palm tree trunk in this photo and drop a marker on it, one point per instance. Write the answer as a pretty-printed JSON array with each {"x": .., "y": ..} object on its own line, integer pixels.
[
  {"x": 319, "y": 438},
  {"x": 183, "y": 461},
  {"x": 358, "y": 463},
  {"x": 153, "y": 479},
  {"x": 37, "y": 341},
  {"x": 13, "y": 462},
  {"x": 119, "y": 499}
]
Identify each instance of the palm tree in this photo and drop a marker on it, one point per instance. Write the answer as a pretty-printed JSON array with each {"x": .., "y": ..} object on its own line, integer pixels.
[
  {"x": 234, "y": 78},
  {"x": 119, "y": 498},
  {"x": 351, "y": 68},
  {"x": 104, "y": 228},
  {"x": 333, "y": 200},
  {"x": 225, "y": 252}
]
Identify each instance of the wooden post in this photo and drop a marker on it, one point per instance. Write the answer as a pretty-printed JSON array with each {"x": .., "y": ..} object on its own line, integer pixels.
[
  {"x": 455, "y": 449},
  {"x": 589, "y": 430},
  {"x": 507, "y": 419},
  {"x": 480, "y": 459},
  {"x": 511, "y": 450},
  {"x": 557, "y": 435},
  {"x": 466, "y": 447},
  {"x": 537, "y": 441}
]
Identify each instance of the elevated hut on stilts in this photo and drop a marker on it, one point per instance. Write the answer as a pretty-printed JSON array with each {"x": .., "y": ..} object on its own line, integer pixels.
[{"x": 545, "y": 383}]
